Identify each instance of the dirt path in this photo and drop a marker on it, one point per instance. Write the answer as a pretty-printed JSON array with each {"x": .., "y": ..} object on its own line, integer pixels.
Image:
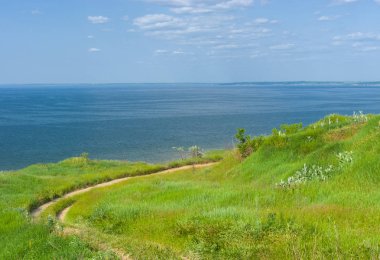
[
  {"x": 62, "y": 215},
  {"x": 38, "y": 211},
  {"x": 74, "y": 231}
]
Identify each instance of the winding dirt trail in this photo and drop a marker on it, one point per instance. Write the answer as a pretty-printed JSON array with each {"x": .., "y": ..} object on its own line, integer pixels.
[
  {"x": 38, "y": 211},
  {"x": 76, "y": 231},
  {"x": 62, "y": 215}
]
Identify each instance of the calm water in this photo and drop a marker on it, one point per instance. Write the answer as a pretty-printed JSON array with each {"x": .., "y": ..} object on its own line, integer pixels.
[{"x": 143, "y": 121}]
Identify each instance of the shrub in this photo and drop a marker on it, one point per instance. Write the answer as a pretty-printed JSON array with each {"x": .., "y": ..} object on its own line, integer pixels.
[
  {"x": 246, "y": 144},
  {"x": 196, "y": 152},
  {"x": 307, "y": 174},
  {"x": 345, "y": 158},
  {"x": 359, "y": 117},
  {"x": 316, "y": 172}
]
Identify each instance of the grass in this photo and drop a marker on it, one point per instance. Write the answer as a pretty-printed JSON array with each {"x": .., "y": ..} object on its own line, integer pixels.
[
  {"x": 22, "y": 191},
  {"x": 236, "y": 211}
]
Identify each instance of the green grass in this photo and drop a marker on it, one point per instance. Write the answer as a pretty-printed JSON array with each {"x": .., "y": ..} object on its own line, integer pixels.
[
  {"x": 22, "y": 191},
  {"x": 236, "y": 211}
]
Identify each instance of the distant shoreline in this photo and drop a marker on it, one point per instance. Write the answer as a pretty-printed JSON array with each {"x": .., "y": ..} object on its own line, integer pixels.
[{"x": 193, "y": 83}]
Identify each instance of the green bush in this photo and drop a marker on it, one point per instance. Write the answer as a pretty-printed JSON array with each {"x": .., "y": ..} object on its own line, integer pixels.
[{"x": 247, "y": 144}]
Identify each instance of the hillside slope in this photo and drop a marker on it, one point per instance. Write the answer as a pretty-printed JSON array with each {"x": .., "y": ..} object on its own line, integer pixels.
[
  {"x": 22, "y": 191},
  {"x": 305, "y": 193}
]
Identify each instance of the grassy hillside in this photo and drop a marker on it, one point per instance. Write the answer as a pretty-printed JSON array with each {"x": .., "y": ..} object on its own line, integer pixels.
[
  {"x": 305, "y": 193},
  {"x": 23, "y": 190}
]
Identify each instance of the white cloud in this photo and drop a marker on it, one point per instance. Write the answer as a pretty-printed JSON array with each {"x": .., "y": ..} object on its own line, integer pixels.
[
  {"x": 370, "y": 48},
  {"x": 190, "y": 10},
  {"x": 368, "y": 36},
  {"x": 158, "y": 52},
  {"x": 208, "y": 25},
  {"x": 98, "y": 19},
  {"x": 94, "y": 50},
  {"x": 90, "y": 37},
  {"x": 359, "y": 41},
  {"x": 234, "y": 4},
  {"x": 170, "y": 27},
  {"x": 365, "y": 47},
  {"x": 285, "y": 46},
  {"x": 216, "y": 26},
  {"x": 205, "y": 6},
  {"x": 173, "y": 2},
  {"x": 325, "y": 18},
  {"x": 157, "y": 21},
  {"x": 342, "y": 2},
  {"x": 167, "y": 52},
  {"x": 265, "y": 21},
  {"x": 226, "y": 46},
  {"x": 178, "y": 52},
  {"x": 257, "y": 54}
]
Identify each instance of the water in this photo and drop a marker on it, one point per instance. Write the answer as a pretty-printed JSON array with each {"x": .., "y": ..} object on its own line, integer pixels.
[{"x": 47, "y": 123}]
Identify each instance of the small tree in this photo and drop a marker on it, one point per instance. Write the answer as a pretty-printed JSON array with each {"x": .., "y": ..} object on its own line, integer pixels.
[
  {"x": 247, "y": 144},
  {"x": 244, "y": 140},
  {"x": 195, "y": 152},
  {"x": 181, "y": 152}
]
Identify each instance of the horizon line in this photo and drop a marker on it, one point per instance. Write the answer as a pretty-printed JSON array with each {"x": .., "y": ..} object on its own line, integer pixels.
[{"x": 189, "y": 82}]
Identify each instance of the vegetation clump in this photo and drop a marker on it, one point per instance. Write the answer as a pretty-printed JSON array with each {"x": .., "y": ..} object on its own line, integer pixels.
[
  {"x": 306, "y": 174},
  {"x": 316, "y": 172},
  {"x": 359, "y": 117},
  {"x": 194, "y": 152},
  {"x": 345, "y": 158},
  {"x": 246, "y": 144}
]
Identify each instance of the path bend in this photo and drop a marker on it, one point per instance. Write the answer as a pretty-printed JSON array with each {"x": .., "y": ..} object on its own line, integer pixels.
[
  {"x": 74, "y": 231},
  {"x": 38, "y": 211}
]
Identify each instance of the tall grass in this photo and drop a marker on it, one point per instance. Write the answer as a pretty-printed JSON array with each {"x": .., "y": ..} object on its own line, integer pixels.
[
  {"x": 235, "y": 210},
  {"x": 24, "y": 190}
]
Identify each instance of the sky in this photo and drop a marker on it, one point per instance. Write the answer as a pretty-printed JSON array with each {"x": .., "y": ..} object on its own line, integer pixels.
[{"x": 137, "y": 41}]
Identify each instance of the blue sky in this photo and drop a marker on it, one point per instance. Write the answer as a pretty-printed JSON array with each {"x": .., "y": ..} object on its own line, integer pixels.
[{"x": 96, "y": 41}]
